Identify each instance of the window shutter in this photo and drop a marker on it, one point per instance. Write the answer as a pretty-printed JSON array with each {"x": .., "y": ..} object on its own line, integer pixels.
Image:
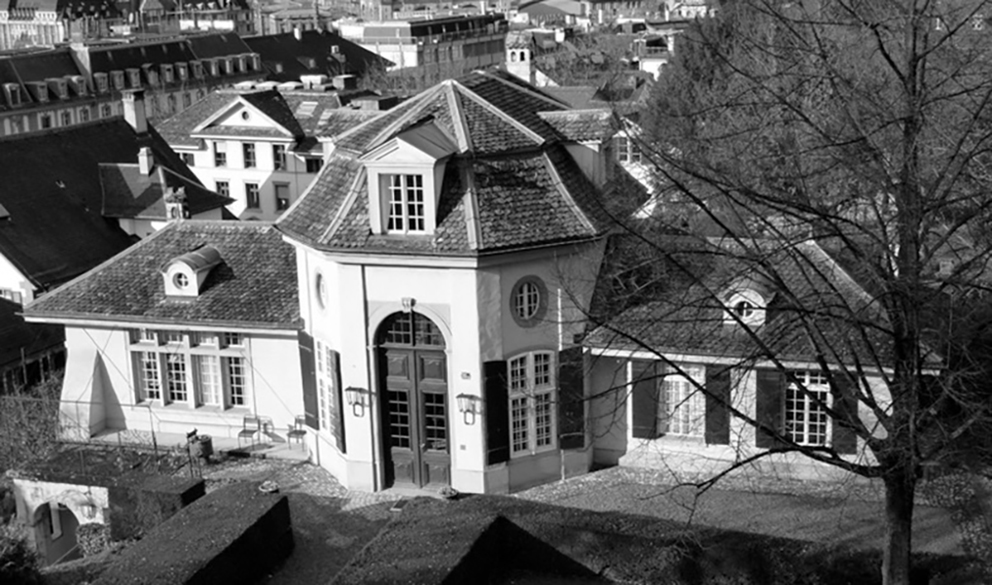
[
  {"x": 845, "y": 404},
  {"x": 305, "y": 343},
  {"x": 497, "y": 412},
  {"x": 571, "y": 399},
  {"x": 718, "y": 405},
  {"x": 644, "y": 399},
  {"x": 770, "y": 401},
  {"x": 336, "y": 401}
]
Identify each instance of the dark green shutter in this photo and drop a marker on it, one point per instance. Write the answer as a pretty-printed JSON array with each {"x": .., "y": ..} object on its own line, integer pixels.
[
  {"x": 571, "y": 400},
  {"x": 845, "y": 404},
  {"x": 337, "y": 400},
  {"x": 717, "y": 405},
  {"x": 644, "y": 398},
  {"x": 305, "y": 343},
  {"x": 770, "y": 401},
  {"x": 497, "y": 411}
]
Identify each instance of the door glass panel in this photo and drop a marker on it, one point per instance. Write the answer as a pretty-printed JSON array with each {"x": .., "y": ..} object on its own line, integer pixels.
[
  {"x": 411, "y": 329},
  {"x": 397, "y": 366},
  {"x": 399, "y": 419},
  {"x": 432, "y": 369},
  {"x": 435, "y": 421}
]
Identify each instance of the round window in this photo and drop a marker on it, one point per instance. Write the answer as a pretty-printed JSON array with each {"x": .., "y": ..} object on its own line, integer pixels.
[
  {"x": 528, "y": 301},
  {"x": 744, "y": 309},
  {"x": 321, "y": 289},
  {"x": 245, "y": 115},
  {"x": 180, "y": 280}
]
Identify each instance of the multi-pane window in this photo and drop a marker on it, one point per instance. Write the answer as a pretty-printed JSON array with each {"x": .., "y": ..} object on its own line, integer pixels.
[
  {"x": 222, "y": 188},
  {"x": 527, "y": 300},
  {"x": 45, "y": 120},
  {"x": 282, "y": 196},
  {"x": 150, "y": 383},
  {"x": 683, "y": 403},
  {"x": 532, "y": 402},
  {"x": 279, "y": 156},
  {"x": 327, "y": 388},
  {"x": 106, "y": 111},
  {"x": 406, "y": 203},
  {"x": 248, "y": 150},
  {"x": 66, "y": 116},
  {"x": 806, "y": 420},
  {"x": 314, "y": 164},
  {"x": 626, "y": 149},
  {"x": 203, "y": 372},
  {"x": 187, "y": 158},
  {"x": 253, "y": 201},
  {"x": 84, "y": 114},
  {"x": 220, "y": 154}
]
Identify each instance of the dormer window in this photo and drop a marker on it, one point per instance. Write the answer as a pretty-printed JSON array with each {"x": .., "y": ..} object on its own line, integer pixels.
[
  {"x": 12, "y": 92},
  {"x": 197, "y": 69},
  {"x": 182, "y": 71},
  {"x": 406, "y": 204},
  {"x": 117, "y": 77},
  {"x": 184, "y": 275},
  {"x": 215, "y": 67},
  {"x": 405, "y": 176},
  {"x": 101, "y": 82},
  {"x": 746, "y": 302},
  {"x": 166, "y": 73},
  {"x": 134, "y": 77}
]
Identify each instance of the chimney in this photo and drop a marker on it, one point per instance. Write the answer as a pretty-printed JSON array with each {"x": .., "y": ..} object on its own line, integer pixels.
[
  {"x": 134, "y": 110},
  {"x": 297, "y": 33},
  {"x": 175, "y": 204},
  {"x": 146, "y": 161}
]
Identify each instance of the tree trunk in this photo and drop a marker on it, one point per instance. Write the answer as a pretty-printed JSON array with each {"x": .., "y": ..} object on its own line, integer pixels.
[{"x": 900, "y": 485}]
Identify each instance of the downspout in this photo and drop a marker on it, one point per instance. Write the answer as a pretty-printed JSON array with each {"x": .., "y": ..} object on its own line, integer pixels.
[{"x": 373, "y": 406}]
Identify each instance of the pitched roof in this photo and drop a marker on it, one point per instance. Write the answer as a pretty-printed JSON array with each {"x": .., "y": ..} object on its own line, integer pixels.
[
  {"x": 17, "y": 335},
  {"x": 286, "y": 58},
  {"x": 511, "y": 184},
  {"x": 274, "y": 106},
  {"x": 50, "y": 185},
  {"x": 127, "y": 193},
  {"x": 669, "y": 294},
  {"x": 253, "y": 286},
  {"x": 583, "y": 125}
]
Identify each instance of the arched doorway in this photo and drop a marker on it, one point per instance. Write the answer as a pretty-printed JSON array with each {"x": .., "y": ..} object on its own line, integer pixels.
[
  {"x": 55, "y": 533},
  {"x": 413, "y": 385}
]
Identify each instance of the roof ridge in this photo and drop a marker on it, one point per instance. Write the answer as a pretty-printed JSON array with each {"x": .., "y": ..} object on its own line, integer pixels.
[
  {"x": 530, "y": 91},
  {"x": 419, "y": 102},
  {"x": 563, "y": 191},
  {"x": 537, "y": 138},
  {"x": 458, "y": 117},
  {"x": 349, "y": 201}
]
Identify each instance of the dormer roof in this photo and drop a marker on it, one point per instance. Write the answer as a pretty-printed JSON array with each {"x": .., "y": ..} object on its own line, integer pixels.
[
  {"x": 426, "y": 141},
  {"x": 129, "y": 194}
]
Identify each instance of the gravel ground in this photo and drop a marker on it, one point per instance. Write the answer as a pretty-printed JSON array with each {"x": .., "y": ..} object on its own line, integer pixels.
[
  {"x": 330, "y": 523},
  {"x": 848, "y": 515}
]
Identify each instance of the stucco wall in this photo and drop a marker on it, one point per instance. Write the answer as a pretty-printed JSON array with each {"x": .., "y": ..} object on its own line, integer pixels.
[
  {"x": 13, "y": 279},
  {"x": 99, "y": 392},
  {"x": 686, "y": 457}
]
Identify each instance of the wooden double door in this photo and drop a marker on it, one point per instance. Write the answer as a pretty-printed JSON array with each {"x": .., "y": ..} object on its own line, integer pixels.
[{"x": 413, "y": 380}]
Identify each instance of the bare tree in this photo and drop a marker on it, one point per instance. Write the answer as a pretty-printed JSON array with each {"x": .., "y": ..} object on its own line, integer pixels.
[{"x": 838, "y": 151}]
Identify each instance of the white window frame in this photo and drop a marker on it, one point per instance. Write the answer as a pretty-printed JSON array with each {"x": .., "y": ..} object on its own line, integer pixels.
[
  {"x": 532, "y": 389},
  {"x": 279, "y": 159},
  {"x": 196, "y": 369},
  {"x": 249, "y": 155},
  {"x": 683, "y": 407},
  {"x": 400, "y": 218},
  {"x": 327, "y": 380},
  {"x": 806, "y": 420}
]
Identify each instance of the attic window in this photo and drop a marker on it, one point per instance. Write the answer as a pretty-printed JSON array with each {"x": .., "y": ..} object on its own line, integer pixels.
[
  {"x": 406, "y": 204},
  {"x": 745, "y": 305},
  {"x": 184, "y": 275},
  {"x": 744, "y": 309}
]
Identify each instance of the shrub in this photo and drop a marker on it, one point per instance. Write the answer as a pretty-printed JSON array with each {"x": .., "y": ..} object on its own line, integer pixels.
[
  {"x": 93, "y": 538},
  {"x": 18, "y": 563}
]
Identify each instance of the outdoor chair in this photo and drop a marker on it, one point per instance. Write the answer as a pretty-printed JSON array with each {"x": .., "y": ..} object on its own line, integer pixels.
[
  {"x": 297, "y": 430},
  {"x": 250, "y": 426}
]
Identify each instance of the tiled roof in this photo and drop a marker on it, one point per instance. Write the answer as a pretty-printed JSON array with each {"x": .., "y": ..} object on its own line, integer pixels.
[
  {"x": 511, "y": 169},
  {"x": 129, "y": 194},
  {"x": 646, "y": 297},
  {"x": 177, "y": 129},
  {"x": 583, "y": 125},
  {"x": 254, "y": 286},
  {"x": 18, "y": 336},
  {"x": 285, "y": 58},
  {"x": 274, "y": 106},
  {"x": 50, "y": 185}
]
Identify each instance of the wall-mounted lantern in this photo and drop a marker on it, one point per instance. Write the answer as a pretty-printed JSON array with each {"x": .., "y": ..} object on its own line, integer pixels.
[
  {"x": 357, "y": 398},
  {"x": 470, "y": 406}
]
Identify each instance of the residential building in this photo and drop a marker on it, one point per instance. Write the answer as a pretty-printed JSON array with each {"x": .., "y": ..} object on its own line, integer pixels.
[
  {"x": 47, "y": 23},
  {"x": 423, "y": 292},
  {"x": 287, "y": 57},
  {"x": 263, "y": 148},
  {"x": 672, "y": 359},
  {"x": 451, "y": 45},
  {"x": 71, "y": 85}
]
